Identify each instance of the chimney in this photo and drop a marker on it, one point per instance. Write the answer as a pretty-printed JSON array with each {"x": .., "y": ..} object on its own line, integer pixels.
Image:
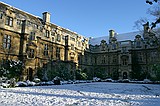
[
  {"x": 46, "y": 17},
  {"x": 111, "y": 33},
  {"x": 146, "y": 27}
]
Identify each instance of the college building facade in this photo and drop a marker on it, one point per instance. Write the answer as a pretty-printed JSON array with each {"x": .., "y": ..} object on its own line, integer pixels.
[{"x": 41, "y": 44}]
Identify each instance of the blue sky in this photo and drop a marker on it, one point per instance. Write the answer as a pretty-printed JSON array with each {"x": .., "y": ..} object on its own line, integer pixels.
[{"x": 90, "y": 18}]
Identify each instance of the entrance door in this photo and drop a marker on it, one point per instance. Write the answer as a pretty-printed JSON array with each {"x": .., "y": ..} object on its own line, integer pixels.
[
  {"x": 125, "y": 75},
  {"x": 30, "y": 74}
]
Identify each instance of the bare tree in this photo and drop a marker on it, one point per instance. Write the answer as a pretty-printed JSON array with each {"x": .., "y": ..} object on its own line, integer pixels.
[{"x": 154, "y": 11}]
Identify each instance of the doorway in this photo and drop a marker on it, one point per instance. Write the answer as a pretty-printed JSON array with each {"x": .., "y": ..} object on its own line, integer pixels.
[
  {"x": 30, "y": 74},
  {"x": 125, "y": 75}
]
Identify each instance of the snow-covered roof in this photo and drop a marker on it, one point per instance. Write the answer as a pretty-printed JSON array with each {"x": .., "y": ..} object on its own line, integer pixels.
[
  {"x": 120, "y": 37},
  {"x": 97, "y": 41}
]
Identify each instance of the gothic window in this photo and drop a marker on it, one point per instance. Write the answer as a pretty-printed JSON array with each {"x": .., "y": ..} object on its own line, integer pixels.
[
  {"x": 45, "y": 50},
  {"x": 58, "y": 53},
  {"x": 30, "y": 53},
  {"x": 7, "y": 41},
  {"x": 9, "y": 21}
]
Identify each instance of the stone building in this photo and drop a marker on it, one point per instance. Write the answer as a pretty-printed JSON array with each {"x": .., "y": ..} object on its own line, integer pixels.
[
  {"x": 124, "y": 56},
  {"x": 37, "y": 42},
  {"x": 41, "y": 44}
]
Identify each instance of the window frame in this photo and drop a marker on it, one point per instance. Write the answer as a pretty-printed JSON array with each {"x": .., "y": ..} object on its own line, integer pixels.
[
  {"x": 46, "y": 50},
  {"x": 47, "y": 33},
  {"x": 7, "y": 41},
  {"x": 30, "y": 53},
  {"x": 58, "y": 53},
  {"x": 32, "y": 36},
  {"x": 9, "y": 21}
]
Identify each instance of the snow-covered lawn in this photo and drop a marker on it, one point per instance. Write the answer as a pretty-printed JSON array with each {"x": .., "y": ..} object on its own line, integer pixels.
[{"x": 86, "y": 94}]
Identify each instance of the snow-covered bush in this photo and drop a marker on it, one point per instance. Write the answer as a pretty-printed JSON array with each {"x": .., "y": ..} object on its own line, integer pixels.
[
  {"x": 11, "y": 69},
  {"x": 30, "y": 83},
  {"x": 96, "y": 79},
  {"x": 36, "y": 80},
  {"x": 21, "y": 84}
]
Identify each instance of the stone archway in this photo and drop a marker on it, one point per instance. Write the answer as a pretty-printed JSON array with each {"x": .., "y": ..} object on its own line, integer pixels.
[{"x": 125, "y": 75}]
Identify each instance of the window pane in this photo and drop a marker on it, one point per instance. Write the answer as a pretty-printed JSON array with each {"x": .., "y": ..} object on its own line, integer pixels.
[
  {"x": 4, "y": 45},
  {"x": 11, "y": 22},
  {"x": 7, "y": 20}
]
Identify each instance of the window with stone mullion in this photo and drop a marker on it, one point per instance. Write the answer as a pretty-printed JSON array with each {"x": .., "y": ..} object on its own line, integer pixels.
[
  {"x": 45, "y": 50},
  {"x": 9, "y": 21},
  {"x": 7, "y": 41}
]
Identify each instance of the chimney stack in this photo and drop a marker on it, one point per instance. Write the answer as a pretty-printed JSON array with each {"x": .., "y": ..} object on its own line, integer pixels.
[
  {"x": 46, "y": 17},
  {"x": 146, "y": 27},
  {"x": 111, "y": 33}
]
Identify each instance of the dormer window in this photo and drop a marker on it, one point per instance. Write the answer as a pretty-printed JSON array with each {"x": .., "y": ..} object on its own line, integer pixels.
[
  {"x": 113, "y": 46},
  {"x": 103, "y": 45},
  {"x": 138, "y": 44},
  {"x": 138, "y": 40}
]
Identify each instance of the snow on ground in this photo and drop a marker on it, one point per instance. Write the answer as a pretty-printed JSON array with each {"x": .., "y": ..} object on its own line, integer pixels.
[{"x": 86, "y": 94}]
